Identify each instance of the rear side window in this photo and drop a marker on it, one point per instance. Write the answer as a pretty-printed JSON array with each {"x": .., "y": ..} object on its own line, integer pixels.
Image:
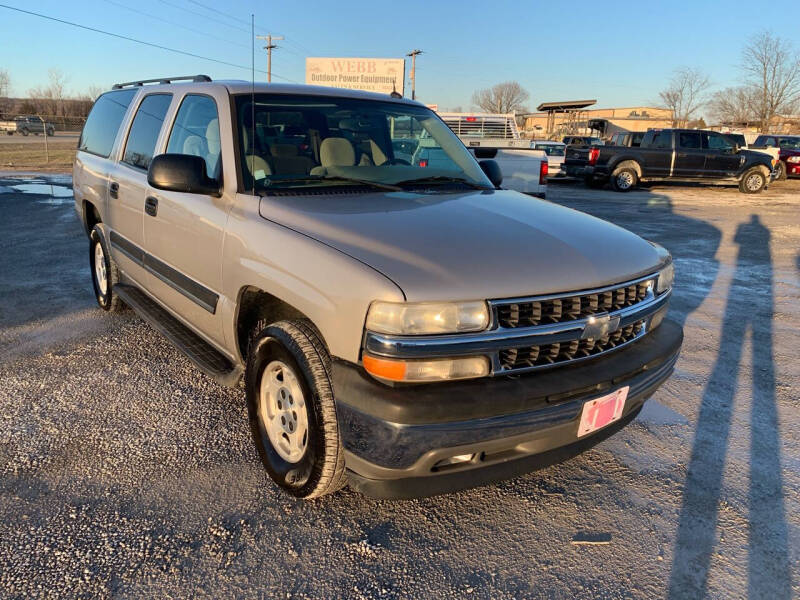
[
  {"x": 196, "y": 132},
  {"x": 690, "y": 139},
  {"x": 145, "y": 129},
  {"x": 662, "y": 139},
  {"x": 103, "y": 122}
]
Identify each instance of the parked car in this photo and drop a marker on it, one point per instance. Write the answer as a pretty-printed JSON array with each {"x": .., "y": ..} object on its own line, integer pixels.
[
  {"x": 495, "y": 136},
  {"x": 27, "y": 125},
  {"x": 555, "y": 152},
  {"x": 410, "y": 330},
  {"x": 679, "y": 154},
  {"x": 581, "y": 140},
  {"x": 789, "y": 153}
]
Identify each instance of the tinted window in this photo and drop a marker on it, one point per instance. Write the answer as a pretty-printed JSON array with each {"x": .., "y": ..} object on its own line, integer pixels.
[
  {"x": 689, "y": 139},
  {"x": 196, "y": 132},
  {"x": 636, "y": 139},
  {"x": 717, "y": 142},
  {"x": 103, "y": 122},
  {"x": 662, "y": 139},
  {"x": 144, "y": 131},
  {"x": 790, "y": 143}
]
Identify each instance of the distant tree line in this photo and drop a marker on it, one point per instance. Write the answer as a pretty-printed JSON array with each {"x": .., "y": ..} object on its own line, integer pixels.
[{"x": 770, "y": 87}]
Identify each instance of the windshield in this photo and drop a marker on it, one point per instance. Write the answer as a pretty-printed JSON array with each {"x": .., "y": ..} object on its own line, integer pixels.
[
  {"x": 551, "y": 149},
  {"x": 318, "y": 141},
  {"x": 790, "y": 143}
]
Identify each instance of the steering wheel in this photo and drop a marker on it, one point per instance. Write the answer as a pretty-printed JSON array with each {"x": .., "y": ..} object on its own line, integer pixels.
[{"x": 396, "y": 161}]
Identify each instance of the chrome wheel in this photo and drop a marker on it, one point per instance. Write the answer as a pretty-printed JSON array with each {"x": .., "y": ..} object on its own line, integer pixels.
[
  {"x": 282, "y": 410},
  {"x": 100, "y": 268},
  {"x": 625, "y": 180},
  {"x": 754, "y": 182}
]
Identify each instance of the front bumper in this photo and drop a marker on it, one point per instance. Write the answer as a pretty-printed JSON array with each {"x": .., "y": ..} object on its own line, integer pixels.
[{"x": 396, "y": 438}]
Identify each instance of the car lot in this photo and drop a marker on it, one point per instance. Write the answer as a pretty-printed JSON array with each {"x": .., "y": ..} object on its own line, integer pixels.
[{"x": 123, "y": 471}]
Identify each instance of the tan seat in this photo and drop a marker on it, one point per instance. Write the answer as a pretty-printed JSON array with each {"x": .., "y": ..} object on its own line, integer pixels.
[
  {"x": 213, "y": 144},
  {"x": 337, "y": 152},
  {"x": 194, "y": 146},
  {"x": 256, "y": 165}
]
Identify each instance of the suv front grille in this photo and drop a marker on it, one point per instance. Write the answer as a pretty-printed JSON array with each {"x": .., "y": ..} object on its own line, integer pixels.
[
  {"x": 561, "y": 352},
  {"x": 530, "y": 313}
]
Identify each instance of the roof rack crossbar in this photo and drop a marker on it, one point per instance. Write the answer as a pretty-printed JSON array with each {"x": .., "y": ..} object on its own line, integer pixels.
[{"x": 198, "y": 78}]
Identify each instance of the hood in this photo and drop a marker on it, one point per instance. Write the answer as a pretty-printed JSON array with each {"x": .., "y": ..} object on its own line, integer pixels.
[{"x": 474, "y": 245}]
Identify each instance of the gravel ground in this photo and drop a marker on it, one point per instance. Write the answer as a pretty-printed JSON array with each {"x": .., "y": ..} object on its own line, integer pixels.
[{"x": 125, "y": 472}]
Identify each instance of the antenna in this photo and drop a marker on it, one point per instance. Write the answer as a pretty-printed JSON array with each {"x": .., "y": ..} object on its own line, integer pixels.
[
  {"x": 394, "y": 93},
  {"x": 252, "y": 164}
]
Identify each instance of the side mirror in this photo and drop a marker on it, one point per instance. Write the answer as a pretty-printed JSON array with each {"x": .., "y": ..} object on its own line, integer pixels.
[
  {"x": 492, "y": 171},
  {"x": 181, "y": 173}
]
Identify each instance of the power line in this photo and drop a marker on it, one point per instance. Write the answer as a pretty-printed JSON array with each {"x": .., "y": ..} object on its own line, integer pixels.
[
  {"x": 168, "y": 22},
  {"x": 130, "y": 39}
]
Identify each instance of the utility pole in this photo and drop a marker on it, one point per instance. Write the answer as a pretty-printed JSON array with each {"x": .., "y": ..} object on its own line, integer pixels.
[
  {"x": 413, "y": 55},
  {"x": 269, "y": 38}
]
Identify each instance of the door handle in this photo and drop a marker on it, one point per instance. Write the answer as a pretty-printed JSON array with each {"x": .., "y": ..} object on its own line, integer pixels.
[
  {"x": 151, "y": 206},
  {"x": 682, "y": 155},
  {"x": 113, "y": 190}
]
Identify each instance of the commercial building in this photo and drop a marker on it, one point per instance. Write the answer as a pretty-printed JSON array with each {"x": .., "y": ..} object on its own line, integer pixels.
[{"x": 574, "y": 117}]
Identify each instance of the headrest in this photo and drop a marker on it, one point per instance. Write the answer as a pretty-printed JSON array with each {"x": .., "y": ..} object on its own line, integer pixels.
[
  {"x": 212, "y": 137},
  {"x": 337, "y": 152},
  {"x": 194, "y": 145}
]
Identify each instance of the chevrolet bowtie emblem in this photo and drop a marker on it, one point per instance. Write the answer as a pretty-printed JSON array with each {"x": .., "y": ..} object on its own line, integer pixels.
[{"x": 600, "y": 325}]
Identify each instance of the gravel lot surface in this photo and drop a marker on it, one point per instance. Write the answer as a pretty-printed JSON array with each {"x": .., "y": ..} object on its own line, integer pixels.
[{"x": 125, "y": 472}]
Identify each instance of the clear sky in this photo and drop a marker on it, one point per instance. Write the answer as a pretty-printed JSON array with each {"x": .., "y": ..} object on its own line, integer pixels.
[{"x": 621, "y": 53}]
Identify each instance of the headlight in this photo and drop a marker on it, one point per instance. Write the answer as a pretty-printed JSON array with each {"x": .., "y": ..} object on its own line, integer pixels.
[
  {"x": 665, "y": 278},
  {"x": 794, "y": 159},
  {"x": 409, "y": 318}
]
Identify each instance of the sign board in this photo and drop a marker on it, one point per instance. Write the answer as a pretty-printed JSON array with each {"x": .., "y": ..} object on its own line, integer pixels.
[{"x": 380, "y": 75}]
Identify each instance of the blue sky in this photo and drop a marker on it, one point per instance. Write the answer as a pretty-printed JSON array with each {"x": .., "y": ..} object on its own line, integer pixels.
[{"x": 621, "y": 53}]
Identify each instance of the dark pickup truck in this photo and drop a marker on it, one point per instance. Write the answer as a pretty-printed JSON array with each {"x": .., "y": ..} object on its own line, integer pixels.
[{"x": 685, "y": 154}]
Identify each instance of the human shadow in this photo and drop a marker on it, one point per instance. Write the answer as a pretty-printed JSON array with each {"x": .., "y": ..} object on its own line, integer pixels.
[{"x": 749, "y": 308}]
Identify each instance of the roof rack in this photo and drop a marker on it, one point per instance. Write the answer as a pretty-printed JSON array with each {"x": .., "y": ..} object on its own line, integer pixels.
[{"x": 198, "y": 78}]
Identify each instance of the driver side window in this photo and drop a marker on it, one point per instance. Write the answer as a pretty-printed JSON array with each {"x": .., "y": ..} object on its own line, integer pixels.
[{"x": 196, "y": 132}]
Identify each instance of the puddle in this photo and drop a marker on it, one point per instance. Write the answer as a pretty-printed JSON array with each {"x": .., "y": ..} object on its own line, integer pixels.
[
  {"x": 655, "y": 413},
  {"x": 43, "y": 189}
]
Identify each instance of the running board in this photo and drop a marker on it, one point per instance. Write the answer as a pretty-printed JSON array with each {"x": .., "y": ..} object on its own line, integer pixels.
[{"x": 212, "y": 362}]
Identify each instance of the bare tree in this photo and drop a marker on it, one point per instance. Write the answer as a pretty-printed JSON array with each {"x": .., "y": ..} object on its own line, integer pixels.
[
  {"x": 49, "y": 99},
  {"x": 502, "y": 98},
  {"x": 685, "y": 94},
  {"x": 93, "y": 92},
  {"x": 734, "y": 105},
  {"x": 772, "y": 71}
]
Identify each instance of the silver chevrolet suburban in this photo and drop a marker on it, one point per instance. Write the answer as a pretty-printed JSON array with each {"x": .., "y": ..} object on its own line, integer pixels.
[{"x": 405, "y": 327}]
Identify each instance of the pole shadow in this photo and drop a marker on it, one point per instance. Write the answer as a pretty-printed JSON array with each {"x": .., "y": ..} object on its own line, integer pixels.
[{"x": 749, "y": 308}]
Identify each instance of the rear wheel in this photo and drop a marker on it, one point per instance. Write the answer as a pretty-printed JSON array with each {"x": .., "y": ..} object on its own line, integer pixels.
[
  {"x": 105, "y": 274},
  {"x": 292, "y": 410},
  {"x": 51, "y": 132},
  {"x": 24, "y": 131},
  {"x": 624, "y": 179},
  {"x": 753, "y": 181}
]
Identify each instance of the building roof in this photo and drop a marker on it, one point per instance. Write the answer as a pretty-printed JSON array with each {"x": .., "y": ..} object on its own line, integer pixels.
[{"x": 565, "y": 105}]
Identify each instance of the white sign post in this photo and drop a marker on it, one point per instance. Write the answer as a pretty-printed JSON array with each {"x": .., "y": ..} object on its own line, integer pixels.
[{"x": 381, "y": 75}]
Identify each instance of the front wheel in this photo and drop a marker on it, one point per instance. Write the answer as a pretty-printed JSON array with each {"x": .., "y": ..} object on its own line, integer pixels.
[
  {"x": 780, "y": 171},
  {"x": 51, "y": 132},
  {"x": 624, "y": 180},
  {"x": 292, "y": 410},
  {"x": 104, "y": 272},
  {"x": 24, "y": 132},
  {"x": 753, "y": 181}
]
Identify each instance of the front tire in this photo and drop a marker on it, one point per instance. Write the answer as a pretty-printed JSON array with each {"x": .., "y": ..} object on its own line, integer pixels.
[
  {"x": 24, "y": 132},
  {"x": 292, "y": 409},
  {"x": 105, "y": 274},
  {"x": 624, "y": 179},
  {"x": 51, "y": 132},
  {"x": 781, "y": 171},
  {"x": 753, "y": 181}
]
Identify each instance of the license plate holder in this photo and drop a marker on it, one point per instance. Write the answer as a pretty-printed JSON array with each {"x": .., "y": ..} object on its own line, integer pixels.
[{"x": 602, "y": 411}]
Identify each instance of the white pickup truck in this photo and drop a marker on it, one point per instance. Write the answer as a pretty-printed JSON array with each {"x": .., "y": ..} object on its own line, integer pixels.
[{"x": 495, "y": 136}]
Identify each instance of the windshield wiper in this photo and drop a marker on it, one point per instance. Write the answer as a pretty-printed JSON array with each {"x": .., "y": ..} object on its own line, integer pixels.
[
  {"x": 441, "y": 179},
  {"x": 321, "y": 179}
]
